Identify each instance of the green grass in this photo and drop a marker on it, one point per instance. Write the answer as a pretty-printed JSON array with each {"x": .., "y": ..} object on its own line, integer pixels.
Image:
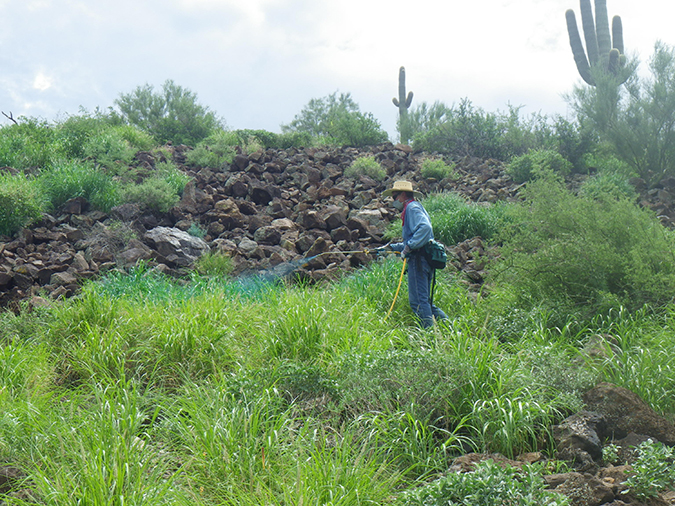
[
  {"x": 454, "y": 219},
  {"x": 144, "y": 390}
]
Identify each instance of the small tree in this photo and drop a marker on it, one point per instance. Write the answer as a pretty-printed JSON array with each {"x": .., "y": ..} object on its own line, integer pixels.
[
  {"x": 337, "y": 120},
  {"x": 172, "y": 115}
]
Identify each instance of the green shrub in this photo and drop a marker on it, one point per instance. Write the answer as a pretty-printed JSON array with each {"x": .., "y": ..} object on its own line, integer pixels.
[
  {"x": 610, "y": 185},
  {"x": 21, "y": 203},
  {"x": 214, "y": 264},
  {"x": 488, "y": 485},
  {"x": 67, "y": 180},
  {"x": 590, "y": 253},
  {"x": 653, "y": 470},
  {"x": 436, "y": 168},
  {"x": 170, "y": 115},
  {"x": 216, "y": 151},
  {"x": 366, "y": 166},
  {"x": 535, "y": 163},
  {"x": 109, "y": 148},
  {"x": 155, "y": 194},
  {"x": 175, "y": 177},
  {"x": 30, "y": 144},
  {"x": 73, "y": 132},
  {"x": 337, "y": 120},
  {"x": 466, "y": 131}
]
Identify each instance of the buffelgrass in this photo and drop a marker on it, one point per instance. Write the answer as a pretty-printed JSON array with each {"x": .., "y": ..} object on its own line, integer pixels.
[
  {"x": 366, "y": 166},
  {"x": 254, "y": 450},
  {"x": 67, "y": 180},
  {"x": 214, "y": 264},
  {"x": 150, "y": 390},
  {"x": 21, "y": 202},
  {"x": 93, "y": 456},
  {"x": 454, "y": 219},
  {"x": 639, "y": 358},
  {"x": 436, "y": 168}
]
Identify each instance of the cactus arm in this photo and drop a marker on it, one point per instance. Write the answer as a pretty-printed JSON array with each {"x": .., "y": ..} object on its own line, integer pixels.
[
  {"x": 577, "y": 48},
  {"x": 617, "y": 34},
  {"x": 395, "y": 100},
  {"x": 408, "y": 100},
  {"x": 602, "y": 29},
  {"x": 589, "y": 32}
]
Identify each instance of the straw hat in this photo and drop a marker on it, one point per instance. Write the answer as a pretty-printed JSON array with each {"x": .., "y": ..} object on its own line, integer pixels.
[{"x": 402, "y": 186}]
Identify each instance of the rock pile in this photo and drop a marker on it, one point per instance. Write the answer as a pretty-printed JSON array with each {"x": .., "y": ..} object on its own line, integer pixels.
[{"x": 264, "y": 209}]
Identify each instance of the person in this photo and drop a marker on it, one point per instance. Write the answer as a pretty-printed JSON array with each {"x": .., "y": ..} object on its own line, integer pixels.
[{"x": 417, "y": 232}]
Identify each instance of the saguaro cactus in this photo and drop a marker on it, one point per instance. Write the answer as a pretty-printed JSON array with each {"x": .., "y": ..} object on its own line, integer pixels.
[
  {"x": 603, "y": 52},
  {"x": 403, "y": 103}
]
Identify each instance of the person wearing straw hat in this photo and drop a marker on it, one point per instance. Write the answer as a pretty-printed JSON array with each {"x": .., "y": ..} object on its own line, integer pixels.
[{"x": 417, "y": 232}]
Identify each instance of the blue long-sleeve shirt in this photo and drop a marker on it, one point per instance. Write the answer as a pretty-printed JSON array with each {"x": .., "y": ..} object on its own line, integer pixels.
[{"x": 417, "y": 230}]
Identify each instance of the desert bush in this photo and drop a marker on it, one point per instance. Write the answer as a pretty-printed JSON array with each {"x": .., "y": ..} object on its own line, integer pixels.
[
  {"x": 31, "y": 144},
  {"x": 216, "y": 151},
  {"x": 589, "y": 252},
  {"x": 214, "y": 264},
  {"x": 155, "y": 194},
  {"x": 172, "y": 115},
  {"x": 436, "y": 168},
  {"x": 337, "y": 120},
  {"x": 21, "y": 202},
  {"x": 612, "y": 185},
  {"x": 109, "y": 148},
  {"x": 636, "y": 119},
  {"x": 67, "y": 180},
  {"x": 535, "y": 163},
  {"x": 293, "y": 139},
  {"x": 366, "y": 166}
]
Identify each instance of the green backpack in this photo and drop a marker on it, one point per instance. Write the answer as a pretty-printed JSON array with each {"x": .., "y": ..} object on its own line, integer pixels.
[{"x": 435, "y": 254}]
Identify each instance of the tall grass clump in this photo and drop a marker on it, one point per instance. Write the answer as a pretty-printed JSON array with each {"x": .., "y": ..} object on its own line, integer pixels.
[
  {"x": 71, "y": 179},
  {"x": 30, "y": 144},
  {"x": 436, "y": 168},
  {"x": 216, "y": 151},
  {"x": 454, "y": 219},
  {"x": 534, "y": 163},
  {"x": 110, "y": 148},
  {"x": 21, "y": 202},
  {"x": 366, "y": 166}
]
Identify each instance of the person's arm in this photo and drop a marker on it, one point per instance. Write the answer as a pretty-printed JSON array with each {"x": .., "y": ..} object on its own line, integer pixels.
[{"x": 420, "y": 225}]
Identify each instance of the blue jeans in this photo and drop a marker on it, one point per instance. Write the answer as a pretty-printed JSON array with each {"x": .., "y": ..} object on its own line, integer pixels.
[{"x": 420, "y": 276}]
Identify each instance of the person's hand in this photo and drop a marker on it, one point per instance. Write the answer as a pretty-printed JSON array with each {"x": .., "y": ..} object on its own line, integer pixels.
[
  {"x": 382, "y": 249},
  {"x": 406, "y": 251}
]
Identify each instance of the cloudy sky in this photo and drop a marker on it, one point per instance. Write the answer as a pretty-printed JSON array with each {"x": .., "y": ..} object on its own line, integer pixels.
[{"x": 256, "y": 63}]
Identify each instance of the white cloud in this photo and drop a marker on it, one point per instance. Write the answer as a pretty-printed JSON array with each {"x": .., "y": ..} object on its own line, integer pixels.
[{"x": 42, "y": 82}]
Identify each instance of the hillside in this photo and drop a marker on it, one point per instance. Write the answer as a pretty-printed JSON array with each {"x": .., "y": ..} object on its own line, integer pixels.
[{"x": 268, "y": 208}]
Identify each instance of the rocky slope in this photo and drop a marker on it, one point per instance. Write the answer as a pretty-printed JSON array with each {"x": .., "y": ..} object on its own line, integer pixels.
[{"x": 264, "y": 210}]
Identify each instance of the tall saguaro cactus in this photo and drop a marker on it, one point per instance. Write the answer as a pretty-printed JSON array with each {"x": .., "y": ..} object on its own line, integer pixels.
[
  {"x": 403, "y": 103},
  {"x": 604, "y": 52}
]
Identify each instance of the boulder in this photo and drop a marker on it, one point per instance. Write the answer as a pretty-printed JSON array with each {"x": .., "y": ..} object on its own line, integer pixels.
[
  {"x": 177, "y": 247},
  {"x": 626, "y": 412}
]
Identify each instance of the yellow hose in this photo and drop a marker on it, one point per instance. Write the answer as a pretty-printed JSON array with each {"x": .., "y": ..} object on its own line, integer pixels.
[{"x": 398, "y": 289}]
